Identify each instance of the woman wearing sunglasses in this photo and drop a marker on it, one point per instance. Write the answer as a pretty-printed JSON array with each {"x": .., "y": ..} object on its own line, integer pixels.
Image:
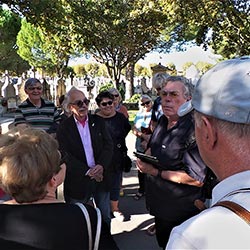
[
  {"x": 117, "y": 101},
  {"x": 141, "y": 128},
  {"x": 118, "y": 126}
]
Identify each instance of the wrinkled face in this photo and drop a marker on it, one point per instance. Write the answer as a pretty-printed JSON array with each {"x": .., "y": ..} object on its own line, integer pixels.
[
  {"x": 172, "y": 97},
  {"x": 146, "y": 104},
  {"x": 79, "y": 105},
  {"x": 107, "y": 107},
  {"x": 34, "y": 91}
]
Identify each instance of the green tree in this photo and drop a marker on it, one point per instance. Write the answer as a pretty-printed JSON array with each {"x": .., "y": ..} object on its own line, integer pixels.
[
  {"x": 9, "y": 27},
  {"x": 222, "y": 24},
  {"x": 79, "y": 70},
  {"x": 171, "y": 68},
  {"x": 102, "y": 70},
  {"x": 117, "y": 33},
  {"x": 43, "y": 51},
  {"x": 92, "y": 69},
  {"x": 186, "y": 65},
  {"x": 141, "y": 71},
  {"x": 203, "y": 66}
]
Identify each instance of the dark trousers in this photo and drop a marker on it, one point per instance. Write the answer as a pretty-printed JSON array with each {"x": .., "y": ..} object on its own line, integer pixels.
[
  {"x": 163, "y": 229},
  {"x": 141, "y": 178}
]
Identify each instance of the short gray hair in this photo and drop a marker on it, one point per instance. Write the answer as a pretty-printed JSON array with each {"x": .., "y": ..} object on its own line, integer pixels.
[
  {"x": 30, "y": 82},
  {"x": 67, "y": 98},
  {"x": 226, "y": 127},
  {"x": 116, "y": 91},
  {"x": 158, "y": 79},
  {"x": 146, "y": 97},
  {"x": 188, "y": 86}
]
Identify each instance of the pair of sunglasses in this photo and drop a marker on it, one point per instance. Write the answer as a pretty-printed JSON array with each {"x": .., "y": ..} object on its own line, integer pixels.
[
  {"x": 145, "y": 103},
  {"x": 79, "y": 103},
  {"x": 115, "y": 95},
  {"x": 169, "y": 93},
  {"x": 33, "y": 88},
  {"x": 104, "y": 104}
]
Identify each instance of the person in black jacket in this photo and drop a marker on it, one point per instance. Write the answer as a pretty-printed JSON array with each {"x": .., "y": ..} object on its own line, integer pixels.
[
  {"x": 34, "y": 219},
  {"x": 173, "y": 186},
  {"x": 89, "y": 147}
]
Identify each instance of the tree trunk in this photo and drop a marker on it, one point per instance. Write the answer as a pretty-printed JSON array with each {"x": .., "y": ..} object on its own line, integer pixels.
[{"x": 130, "y": 72}]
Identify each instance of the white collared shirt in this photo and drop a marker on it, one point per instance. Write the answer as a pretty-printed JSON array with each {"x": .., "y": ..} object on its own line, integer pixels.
[
  {"x": 86, "y": 142},
  {"x": 217, "y": 227}
]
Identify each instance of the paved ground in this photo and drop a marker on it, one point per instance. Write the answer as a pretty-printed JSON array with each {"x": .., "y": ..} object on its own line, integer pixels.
[{"x": 131, "y": 233}]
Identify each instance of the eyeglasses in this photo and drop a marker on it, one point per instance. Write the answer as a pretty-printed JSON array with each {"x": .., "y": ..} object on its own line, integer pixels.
[
  {"x": 33, "y": 88},
  {"x": 169, "y": 93},
  {"x": 145, "y": 103},
  {"x": 79, "y": 103},
  {"x": 63, "y": 159},
  {"x": 158, "y": 89},
  {"x": 104, "y": 104},
  {"x": 115, "y": 95}
]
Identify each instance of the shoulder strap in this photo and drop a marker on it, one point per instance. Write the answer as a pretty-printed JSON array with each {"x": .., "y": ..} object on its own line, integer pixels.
[
  {"x": 86, "y": 215},
  {"x": 98, "y": 227},
  {"x": 236, "y": 208}
]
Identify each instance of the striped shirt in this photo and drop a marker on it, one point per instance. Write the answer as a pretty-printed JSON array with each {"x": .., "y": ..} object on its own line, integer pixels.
[{"x": 44, "y": 117}]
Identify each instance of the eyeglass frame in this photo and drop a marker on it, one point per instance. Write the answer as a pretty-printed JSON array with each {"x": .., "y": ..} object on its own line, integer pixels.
[
  {"x": 104, "y": 104},
  {"x": 79, "y": 103},
  {"x": 145, "y": 103},
  {"x": 30, "y": 88}
]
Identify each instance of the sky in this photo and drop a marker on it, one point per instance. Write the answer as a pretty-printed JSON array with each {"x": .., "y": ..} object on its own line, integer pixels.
[{"x": 192, "y": 54}]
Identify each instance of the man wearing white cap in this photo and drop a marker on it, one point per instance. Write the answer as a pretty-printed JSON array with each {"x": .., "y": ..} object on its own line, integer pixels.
[{"x": 222, "y": 126}]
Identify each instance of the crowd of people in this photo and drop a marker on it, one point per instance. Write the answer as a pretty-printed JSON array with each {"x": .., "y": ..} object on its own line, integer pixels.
[{"x": 191, "y": 131}]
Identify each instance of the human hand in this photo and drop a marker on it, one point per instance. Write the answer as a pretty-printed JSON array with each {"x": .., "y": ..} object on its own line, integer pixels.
[
  {"x": 146, "y": 137},
  {"x": 144, "y": 167},
  {"x": 144, "y": 144},
  {"x": 96, "y": 173}
]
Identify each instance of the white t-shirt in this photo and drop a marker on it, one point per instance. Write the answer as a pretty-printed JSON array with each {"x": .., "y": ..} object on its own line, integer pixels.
[{"x": 217, "y": 227}]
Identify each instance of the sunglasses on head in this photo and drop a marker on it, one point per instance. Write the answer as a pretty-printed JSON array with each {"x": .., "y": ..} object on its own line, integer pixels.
[
  {"x": 79, "y": 103},
  {"x": 145, "y": 103},
  {"x": 104, "y": 104},
  {"x": 169, "y": 93},
  {"x": 33, "y": 88}
]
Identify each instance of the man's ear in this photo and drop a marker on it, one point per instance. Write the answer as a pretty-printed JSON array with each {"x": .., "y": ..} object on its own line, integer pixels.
[{"x": 209, "y": 132}]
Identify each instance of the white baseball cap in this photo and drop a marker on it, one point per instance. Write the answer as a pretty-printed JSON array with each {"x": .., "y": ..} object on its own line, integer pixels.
[{"x": 223, "y": 92}]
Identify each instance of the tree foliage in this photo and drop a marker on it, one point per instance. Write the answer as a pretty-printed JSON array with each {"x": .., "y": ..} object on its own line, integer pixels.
[
  {"x": 118, "y": 33},
  {"x": 9, "y": 27},
  {"x": 222, "y": 24},
  {"x": 115, "y": 32}
]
